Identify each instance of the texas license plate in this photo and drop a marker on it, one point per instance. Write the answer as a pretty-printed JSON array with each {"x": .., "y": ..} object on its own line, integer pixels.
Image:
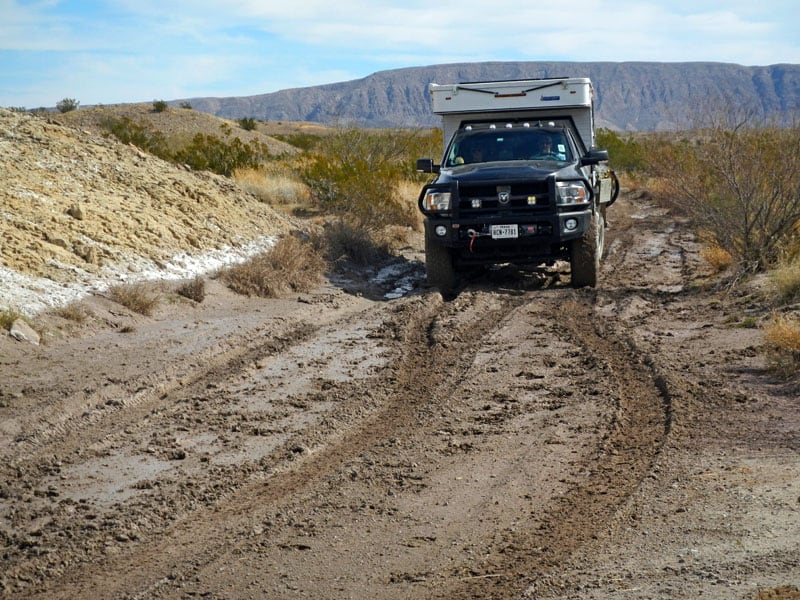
[{"x": 504, "y": 232}]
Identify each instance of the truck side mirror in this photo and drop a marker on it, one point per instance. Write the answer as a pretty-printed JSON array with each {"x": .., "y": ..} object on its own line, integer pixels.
[
  {"x": 425, "y": 165},
  {"x": 593, "y": 157}
]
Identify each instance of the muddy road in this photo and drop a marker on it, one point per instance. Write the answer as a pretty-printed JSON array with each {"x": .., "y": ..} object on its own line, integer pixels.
[{"x": 523, "y": 440}]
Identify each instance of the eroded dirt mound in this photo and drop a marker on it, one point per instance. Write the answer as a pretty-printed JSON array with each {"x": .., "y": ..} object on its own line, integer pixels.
[{"x": 77, "y": 206}]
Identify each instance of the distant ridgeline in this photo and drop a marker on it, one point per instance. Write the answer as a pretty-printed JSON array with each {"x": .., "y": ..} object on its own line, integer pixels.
[{"x": 631, "y": 96}]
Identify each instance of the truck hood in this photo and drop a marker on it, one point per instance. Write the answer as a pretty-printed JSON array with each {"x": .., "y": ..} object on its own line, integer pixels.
[{"x": 508, "y": 171}]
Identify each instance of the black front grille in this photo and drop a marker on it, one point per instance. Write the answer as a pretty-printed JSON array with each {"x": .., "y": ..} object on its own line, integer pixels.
[{"x": 526, "y": 196}]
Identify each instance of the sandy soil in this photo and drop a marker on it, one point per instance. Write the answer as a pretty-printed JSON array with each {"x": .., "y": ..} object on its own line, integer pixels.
[{"x": 523, "y": 440}]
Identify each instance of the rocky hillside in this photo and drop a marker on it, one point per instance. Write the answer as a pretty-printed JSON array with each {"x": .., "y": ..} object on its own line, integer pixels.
[
  {"x": 80, "y": 210},
  {"x": 633, "y": 96}
]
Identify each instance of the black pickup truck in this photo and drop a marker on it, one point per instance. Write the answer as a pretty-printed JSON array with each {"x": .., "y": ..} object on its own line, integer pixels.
[{"x": 516, "y": 191}]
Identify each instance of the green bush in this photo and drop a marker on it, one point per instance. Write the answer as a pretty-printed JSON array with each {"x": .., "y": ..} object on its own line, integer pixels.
[
  {"x": 247, "y": 123},
  {"x": 160, "y": 106},
  {"x": 356, "y": 172},
  {"x": 210, "y": 153},
  {"x": 304, "y": 141},
  {"x": 130, "y": 132},
  {"x": 67, "y": 105},
  {"x": 203, "y": 152},
  {"x": 624, "y": 155}
]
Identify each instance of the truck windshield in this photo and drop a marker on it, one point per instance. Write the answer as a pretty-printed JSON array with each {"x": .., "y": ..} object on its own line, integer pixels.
[{"x": 503, "y": 145}]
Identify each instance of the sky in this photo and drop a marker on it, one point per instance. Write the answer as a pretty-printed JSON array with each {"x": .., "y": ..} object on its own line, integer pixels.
[{"x": 117, "y": 51}]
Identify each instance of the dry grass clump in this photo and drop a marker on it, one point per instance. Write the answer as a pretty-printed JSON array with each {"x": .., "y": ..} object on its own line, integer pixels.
[
  {"x": 274, "y": 186},
  {"x": 194, "y": 289},
  {"x": 782, "y": 334},
  {"x": 74, "y": 311},
  {"x": 7, "y": 318},
  {"x": 408, "y": 193},
  {"x": 291, "y": 265},
  {"x": 138, "y": 297},
  {"x": 719, "y": 258},
  {"x": 786, "y": 281},
  {"x": 343, "y": 241}
]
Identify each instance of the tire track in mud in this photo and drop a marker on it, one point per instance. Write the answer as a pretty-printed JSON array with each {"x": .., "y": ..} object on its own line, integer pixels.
[
  {"x": 527, "y": 556},
  {"x": 113, "y": 410},
  {"x": 201, "y": 536}
]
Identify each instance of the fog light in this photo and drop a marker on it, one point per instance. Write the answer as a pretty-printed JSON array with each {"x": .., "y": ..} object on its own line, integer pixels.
[
  {"x": 476, "y": 203},
  {"x": 441, "y": 230},
  {"x": 571, "y": 224}
]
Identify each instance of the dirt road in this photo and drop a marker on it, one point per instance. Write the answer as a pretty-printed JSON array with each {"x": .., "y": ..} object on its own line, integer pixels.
[{"x": 523, "y": 440}]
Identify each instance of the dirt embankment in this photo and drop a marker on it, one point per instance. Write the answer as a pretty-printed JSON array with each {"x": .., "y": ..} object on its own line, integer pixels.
[
  {"x": 524, "y": 440},
  {"x": 78, "y": 208}
]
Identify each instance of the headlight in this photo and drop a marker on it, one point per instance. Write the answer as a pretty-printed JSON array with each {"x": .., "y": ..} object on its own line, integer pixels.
[
  {"x": 569, "y": 193},
  {"x": 436, "y": 201}
]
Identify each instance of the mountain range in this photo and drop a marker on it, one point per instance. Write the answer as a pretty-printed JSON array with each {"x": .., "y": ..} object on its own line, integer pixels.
[{"x": 630, "y": 96}]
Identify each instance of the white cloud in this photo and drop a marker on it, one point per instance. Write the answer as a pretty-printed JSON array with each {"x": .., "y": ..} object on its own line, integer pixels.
[{"x": 127, "y": 50}]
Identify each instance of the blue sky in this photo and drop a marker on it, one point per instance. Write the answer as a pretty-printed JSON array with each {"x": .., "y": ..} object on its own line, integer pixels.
[{"x": 111, "y": 51}]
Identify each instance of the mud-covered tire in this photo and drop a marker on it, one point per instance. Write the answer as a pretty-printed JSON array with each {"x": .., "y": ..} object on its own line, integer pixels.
[
  {"x": 440, "y": 267},
  {"x": 586, "y": 252}
]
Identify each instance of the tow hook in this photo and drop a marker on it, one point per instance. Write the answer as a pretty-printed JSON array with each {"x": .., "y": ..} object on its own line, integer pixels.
[{"x": 472, "y": 236}]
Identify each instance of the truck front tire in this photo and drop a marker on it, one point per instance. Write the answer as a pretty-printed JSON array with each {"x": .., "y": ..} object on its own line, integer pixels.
[
  {"x": 439, "y": 264},
  {"x": 585, "y": 253}
]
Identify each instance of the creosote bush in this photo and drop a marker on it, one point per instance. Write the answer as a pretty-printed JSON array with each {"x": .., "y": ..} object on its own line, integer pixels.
[
  {"x": 291, "y": 265},
  {"x": 138, "y": 297},
  {"x": 247, "y": 123},
  {"x": 624, "y": 154},
  {"x": 67, "y": 105},
  {"x": 204, "y": 152},
  {"x": 357, "y": 172}
]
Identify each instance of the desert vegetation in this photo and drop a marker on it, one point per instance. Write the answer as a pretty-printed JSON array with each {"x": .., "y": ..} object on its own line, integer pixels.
[{"x": 737, "y": 181}]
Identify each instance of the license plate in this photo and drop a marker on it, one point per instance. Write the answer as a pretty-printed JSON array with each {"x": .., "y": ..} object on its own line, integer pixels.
[{"x": 504, "y": 232}]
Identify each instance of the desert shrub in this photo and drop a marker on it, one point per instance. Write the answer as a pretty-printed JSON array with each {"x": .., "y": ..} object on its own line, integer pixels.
[
  {"x": 160, "y": 106},
  {"x": 624, "y": 154},
  {"x": 247, "y": 123},
  {"x": 782, "y": 335},
  {"x": 194, "y": 289},
  {"x": 66, "y": 105},
  {"x": 786, "y": 281},
  {"x": 291, "y": 265},
  {"x": 304, "y": 141},
  {"x": 210, "y": 153},
  {"x": 186, "y": 105},
  {"x": 204, "y": 152},
  {"x": 138, "y": 297},
  {"x": 738, "y": 182},
  {"x": 356, "y": 172},
  {"x": 129, "y": 132}
]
